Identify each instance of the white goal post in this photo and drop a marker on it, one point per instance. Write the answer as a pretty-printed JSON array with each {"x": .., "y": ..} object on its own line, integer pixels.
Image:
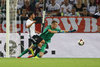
[
  {"x": 7, "y": 28},
  {"x": 11, "y": 17}
]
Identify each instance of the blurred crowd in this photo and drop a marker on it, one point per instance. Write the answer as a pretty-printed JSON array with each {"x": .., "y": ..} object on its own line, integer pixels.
[{"x": 55, "y": 7}]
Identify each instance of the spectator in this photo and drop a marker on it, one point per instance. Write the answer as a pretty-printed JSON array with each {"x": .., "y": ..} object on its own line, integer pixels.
[
  {"x": 53, "y": 8},
  {"x": 24, "y": 13},
  {"x": 27, "y": 6},
  {"x": 38, "y": 13},
  {"x": 39, "y": 5},
  {"x": 20, "y": 4},
  {"x": 86, "y": 3},
  {"x": 3, "y": 4},
  {"x": 66, "y": 7},
  {"x": 18, "y": 12},
  {"x": 32, "y": 5},
  {"x": 92, "y": 7},
  {"x": 39, "y": 8},
  {"x": 3, "y": 8},
  {"x": 79, "y": 6},
  {"x": 47, "y": 3},
  {"x": 73, "y": 12},
  {"x": 85, "y": 12},
  {"x": 97, "y": 15}
]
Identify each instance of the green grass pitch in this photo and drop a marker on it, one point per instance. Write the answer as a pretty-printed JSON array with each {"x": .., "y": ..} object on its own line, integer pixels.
[{"x": 50, "y": 62}]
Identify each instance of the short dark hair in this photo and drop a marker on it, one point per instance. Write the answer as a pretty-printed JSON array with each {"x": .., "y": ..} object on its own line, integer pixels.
[
  {"x": 54, "y": 21},
  {"x": 30, "y": 13}
]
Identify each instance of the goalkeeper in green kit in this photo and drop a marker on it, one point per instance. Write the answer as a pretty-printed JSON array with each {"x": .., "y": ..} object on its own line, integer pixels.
[{"x": 47, "y": 34}]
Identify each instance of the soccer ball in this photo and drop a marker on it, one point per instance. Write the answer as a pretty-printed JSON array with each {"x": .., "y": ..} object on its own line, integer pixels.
[{"x": 81, "y": 42}]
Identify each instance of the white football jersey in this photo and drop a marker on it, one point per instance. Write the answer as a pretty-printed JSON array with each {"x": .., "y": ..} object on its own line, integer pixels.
[
  {"x": 69, "y": 7},
  {"x": 92, "y": 9},
  {"x": 31, "y": 30},
  {"x": 55, "y": 7}
]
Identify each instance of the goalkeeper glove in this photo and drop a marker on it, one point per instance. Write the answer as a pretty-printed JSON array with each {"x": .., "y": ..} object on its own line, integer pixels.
[
  {"x": 72, "y": 31},
  {"x": 60, "y": 31}
]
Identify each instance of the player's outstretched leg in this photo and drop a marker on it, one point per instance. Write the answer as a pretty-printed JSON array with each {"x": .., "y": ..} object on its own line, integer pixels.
[
  {"x": 37, "y": 49},
  {"x": 24, "y": 52},
  {"x": 36, "y": 52}
]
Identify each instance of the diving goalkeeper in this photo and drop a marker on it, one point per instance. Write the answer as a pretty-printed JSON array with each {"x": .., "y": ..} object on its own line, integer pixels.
[{"x": 47, "y": 34}]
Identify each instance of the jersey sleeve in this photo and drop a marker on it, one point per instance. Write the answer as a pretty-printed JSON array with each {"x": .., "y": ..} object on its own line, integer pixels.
[{"x": 57, "y": 29}]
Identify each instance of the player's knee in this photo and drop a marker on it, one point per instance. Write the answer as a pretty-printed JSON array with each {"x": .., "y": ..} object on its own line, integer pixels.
[
  {"x": 43, "y": 41},
  {"x": 40, "y": 44}
]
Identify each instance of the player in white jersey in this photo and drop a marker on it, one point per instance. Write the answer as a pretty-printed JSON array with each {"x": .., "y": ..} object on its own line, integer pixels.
[
  {"x": 35, "y": 39},
  {"x": 30, "y": 24}
]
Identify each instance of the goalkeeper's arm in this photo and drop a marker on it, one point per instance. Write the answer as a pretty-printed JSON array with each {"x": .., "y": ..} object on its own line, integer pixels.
[
  {"x": 65, "y": 31},
  {"x": 61, "y": 31},
  {"x": 52, "y": 31}
]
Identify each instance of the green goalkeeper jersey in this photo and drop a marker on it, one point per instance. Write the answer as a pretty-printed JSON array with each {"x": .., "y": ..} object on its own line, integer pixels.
[{"x": 46, "y": 35}]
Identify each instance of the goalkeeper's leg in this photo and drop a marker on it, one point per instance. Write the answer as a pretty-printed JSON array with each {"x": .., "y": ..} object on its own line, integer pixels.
[
  {"x": 40, "y": 41},
  {"x": 41, "y": 53},
  {"x": 27, "y": 50}
]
